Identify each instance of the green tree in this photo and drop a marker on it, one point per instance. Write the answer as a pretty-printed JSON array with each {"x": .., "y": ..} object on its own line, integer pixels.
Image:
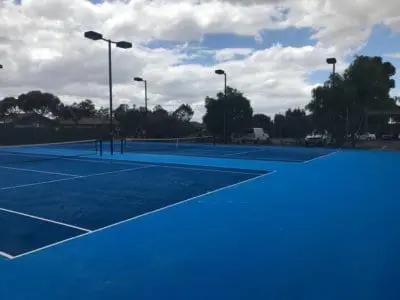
[
  {"x": 103, "y": 112},
  {"x": 86, "y": 108},
  {"x": 339, "y": 105},
  {"x": 9, "y": 106},
  {"x": 183, "y": 113},
  {"x": 40, "y": 103},
  {"x": 238, "y": 113},
  {"x": 263, "y": 121},
  {"x": 297, "y": 124},
  {"x": 279, "y": 125}
]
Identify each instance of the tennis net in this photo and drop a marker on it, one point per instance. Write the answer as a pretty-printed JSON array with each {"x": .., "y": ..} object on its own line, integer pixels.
[
  {"x": 50, "y": 151},
  {"x": 167, "y": 145}
]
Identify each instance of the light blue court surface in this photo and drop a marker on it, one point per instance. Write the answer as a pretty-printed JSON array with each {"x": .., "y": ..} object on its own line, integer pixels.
[{"x": 328, "y": 228}]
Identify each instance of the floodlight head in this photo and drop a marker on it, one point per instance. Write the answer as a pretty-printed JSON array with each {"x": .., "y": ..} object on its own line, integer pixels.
[
  {"x": 220, "y": 72},
  {"x": 93, "y": 35},
  {"x": 138, "y": 79},
  {"x": 331, "y": 61},
  {"x": 124, "y": 45},
  {"x": 1, "y": 66}
]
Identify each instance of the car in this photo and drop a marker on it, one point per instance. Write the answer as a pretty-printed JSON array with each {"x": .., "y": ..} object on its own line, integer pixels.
[
  {"x": 367, "y": 137},
  {"x": 388, "y": 137},
  {"x": 317, "y": 139},
  {"x": 251, "y": 135}
]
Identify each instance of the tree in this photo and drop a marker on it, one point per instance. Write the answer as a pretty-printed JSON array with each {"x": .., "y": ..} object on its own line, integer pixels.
[
  {"x": 86, "y": 108},
  {"x": 339, "y": 105},
  {"x": 103, "y": 112},
  {"x": 183, "y": 113},
  {"x": 263, "y": 121},
  {"x": 40, "y": 103},
  {"x": 238, "y": 113},
  {"x": 159, "y": 111},
  {"x": 297, "y": 124},
  {"x": 9, "y": 106},
  {"x": 279, "y": 124}
]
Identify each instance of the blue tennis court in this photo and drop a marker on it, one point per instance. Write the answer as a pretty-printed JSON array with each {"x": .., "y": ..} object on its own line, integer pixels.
[
  {"x": 192, "y": 147},
  {"x": 148, "y": 226},
  {"x": 53, "y": 200}
]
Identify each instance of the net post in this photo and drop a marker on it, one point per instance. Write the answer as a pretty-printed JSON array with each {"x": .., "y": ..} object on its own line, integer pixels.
[
  {"x": 122, "y": 146},
  {"x": 101, "y": 147}
]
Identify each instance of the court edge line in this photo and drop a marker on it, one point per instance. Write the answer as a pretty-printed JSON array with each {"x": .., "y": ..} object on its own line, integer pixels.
[
  {"x": 144, "y": 214},
  {"x": 43, "y": 219},
  {"x": 38, "y": 171},
  {"x": 6, "y": 255},
  {"x": 319, "y": 157},
  {"x": 73, "y": 178}
]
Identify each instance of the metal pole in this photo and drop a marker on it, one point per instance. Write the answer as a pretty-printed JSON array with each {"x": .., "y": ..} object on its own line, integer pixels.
[
  {"x": 111, "y": 100},
  {"x": 225, "y": 104},
  {"x": 145, "y": 108},
  {"x": 347, "y": 123}
]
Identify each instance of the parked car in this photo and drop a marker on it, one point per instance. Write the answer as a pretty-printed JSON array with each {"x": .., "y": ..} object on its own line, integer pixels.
[
  {"x": 388, "y": 137},
  {"x": 317, "y": 139},
  {"x": 251, "y": 135},
  {"x": 367, "y": 137}
]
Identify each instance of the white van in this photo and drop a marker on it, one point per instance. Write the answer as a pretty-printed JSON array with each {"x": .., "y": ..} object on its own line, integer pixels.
[{"x": 251, "y": 135}]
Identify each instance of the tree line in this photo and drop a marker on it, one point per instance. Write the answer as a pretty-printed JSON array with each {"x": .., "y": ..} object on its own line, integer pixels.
[{"x": 339, "y": 106}]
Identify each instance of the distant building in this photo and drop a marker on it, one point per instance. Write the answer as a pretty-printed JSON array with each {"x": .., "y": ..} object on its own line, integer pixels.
[
  {"x": 27, "y": 120},
  {"x": 91, "y": 122}
]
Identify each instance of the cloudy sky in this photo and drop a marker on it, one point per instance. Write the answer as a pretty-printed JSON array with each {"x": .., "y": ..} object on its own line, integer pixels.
[{"x": 273, "y": 51}]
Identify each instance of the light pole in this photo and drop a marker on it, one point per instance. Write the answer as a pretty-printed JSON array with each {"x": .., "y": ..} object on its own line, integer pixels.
[
  {"x": 95, "y": 36},
  {"x": 222, "y": 72},
  {"x": 332, "y": 61},
  {"x": 145, "y": 102}
]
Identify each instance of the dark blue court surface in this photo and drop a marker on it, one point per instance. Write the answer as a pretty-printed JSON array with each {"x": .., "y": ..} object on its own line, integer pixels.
[
  {"x": 325, "y": 229},
  {"x": 77, "y": 196}
]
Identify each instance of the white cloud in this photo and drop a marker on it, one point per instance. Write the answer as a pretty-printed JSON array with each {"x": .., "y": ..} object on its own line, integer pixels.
[
  {"x": 392, "y": 55},
  {"x": 231, "y": 53},
  {"x": 42, "y": 47}
]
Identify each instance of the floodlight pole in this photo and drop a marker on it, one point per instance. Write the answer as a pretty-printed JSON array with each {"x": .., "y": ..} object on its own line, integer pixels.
[
  {"x": 145, "y": 101},
  {"x": 225, "y": 104},
  {"x": 145, "y": 108},
  {"x": 111, "y": 98},
  {"x": 222, "y": 72},
  {"x": 121, "y": 44}
]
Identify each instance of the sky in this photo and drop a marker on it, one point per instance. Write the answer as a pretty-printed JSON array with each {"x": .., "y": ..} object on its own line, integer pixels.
[{"x": 274, "y": 51}]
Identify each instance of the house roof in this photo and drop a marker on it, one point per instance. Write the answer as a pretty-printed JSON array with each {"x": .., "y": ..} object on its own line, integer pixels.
[{"x": 86, "y": 121}]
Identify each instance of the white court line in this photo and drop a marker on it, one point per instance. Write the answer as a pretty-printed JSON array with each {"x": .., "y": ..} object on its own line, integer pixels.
[
  {"x": 211, "y": 170},
  {"x": 6, "y": 255},
  {"x": 72, "y": 178},
  {"x": 319, "y": 157},
  {"x": 143, "y": 215},
  {"x": 244, "y": 152},
  {"x": 43, "y": 219},
  {"x": 38, "y": 171}
]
